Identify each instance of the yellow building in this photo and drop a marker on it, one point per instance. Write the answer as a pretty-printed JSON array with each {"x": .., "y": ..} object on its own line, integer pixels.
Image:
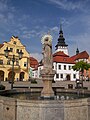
[{"x": 21, "y": 66}]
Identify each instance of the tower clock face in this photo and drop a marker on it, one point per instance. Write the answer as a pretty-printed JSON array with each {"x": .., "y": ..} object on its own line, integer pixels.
[{"x": 47, "y": 38}]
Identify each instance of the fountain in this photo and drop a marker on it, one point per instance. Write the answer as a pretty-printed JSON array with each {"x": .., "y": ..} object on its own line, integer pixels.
[{"x": 62, "y": 107}]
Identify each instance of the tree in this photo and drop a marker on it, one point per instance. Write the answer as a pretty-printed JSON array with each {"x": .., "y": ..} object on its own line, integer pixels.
[{"x": 81, "y": 66}]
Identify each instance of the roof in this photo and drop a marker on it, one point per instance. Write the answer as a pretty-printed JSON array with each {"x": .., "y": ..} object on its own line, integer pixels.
[
  {"x": 1, "y": 45},
  {"x": 60, "y": 53},
  {"x": 82, "y": 55},
  {"x": 33, "y": 62},
  {"x": 61, "y": 39},
  {"x": 61, "y": 57}
]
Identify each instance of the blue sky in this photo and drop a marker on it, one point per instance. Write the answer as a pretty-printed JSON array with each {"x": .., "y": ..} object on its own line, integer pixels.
[{"x": 31, "y": 19}]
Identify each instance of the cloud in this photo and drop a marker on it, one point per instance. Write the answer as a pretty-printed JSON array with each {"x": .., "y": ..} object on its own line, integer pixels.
[
  {"x": 80, "y": 41},
  {"x": 3, "y": 5},
  {"x": 38, "y": 56},
  {"x": 54, "y": 29},
  {"x": 69, "y": 5}
]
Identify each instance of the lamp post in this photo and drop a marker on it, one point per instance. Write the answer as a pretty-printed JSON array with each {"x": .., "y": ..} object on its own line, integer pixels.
[{"x": 13, "y": 60}]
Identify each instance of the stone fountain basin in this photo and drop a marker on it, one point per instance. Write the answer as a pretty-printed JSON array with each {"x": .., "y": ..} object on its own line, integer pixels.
[{"x": 16, "y": 109}]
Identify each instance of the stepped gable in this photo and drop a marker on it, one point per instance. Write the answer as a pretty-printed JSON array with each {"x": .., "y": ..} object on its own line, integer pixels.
[
  {"x": 61, "y": 57},
  {"x": 33, "y": 62},
  {"x": 82, "y": 55}
]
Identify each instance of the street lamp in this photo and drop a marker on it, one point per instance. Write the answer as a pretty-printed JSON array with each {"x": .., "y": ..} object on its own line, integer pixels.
[{"x": 13, "y": 60}]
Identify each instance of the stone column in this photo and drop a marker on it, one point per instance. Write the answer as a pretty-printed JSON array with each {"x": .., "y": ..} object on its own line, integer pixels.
[{"x": 47, "y": 72}]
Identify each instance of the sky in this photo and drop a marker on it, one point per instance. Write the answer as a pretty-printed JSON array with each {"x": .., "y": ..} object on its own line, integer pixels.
[{"x": 32, "y": 19}]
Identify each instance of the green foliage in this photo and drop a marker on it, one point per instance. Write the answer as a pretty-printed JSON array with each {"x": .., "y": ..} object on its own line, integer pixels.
[{"x": 81, "y": 66}]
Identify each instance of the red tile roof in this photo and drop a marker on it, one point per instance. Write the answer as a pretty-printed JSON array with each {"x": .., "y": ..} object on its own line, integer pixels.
[
  {"x": 82, "y": 55},
  {"x": 60, "y": 53},
  {"x": 33, "y": 62},
  {"x": 61, "y": 57}
]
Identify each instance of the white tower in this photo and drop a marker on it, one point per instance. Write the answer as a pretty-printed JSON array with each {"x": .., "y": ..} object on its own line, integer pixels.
[{"x": 61, "y": 45}]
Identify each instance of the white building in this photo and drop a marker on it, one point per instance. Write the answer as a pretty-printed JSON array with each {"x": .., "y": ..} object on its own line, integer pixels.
[{"x": 62, "y": 62}]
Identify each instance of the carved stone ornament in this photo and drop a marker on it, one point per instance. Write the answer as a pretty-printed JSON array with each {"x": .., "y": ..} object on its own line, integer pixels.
[{"x": 46, "y": 38}]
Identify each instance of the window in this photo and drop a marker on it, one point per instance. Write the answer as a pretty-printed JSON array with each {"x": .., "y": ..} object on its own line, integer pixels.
[
  {"x": 57, "y": 75},
  {"x": 1, "y": 62},
  {"x": 64, "y": 67},
  {"x": 8, "y": 62},
  {"x": 11, "y": 49},
  {"x": 61, "y": 75},
  {"x": 69, "y": 67},
  {"x": 59, "y": 67},
  {"x": 74, "y": 75},
  {"x": 17, "y": 51},
  {"x": 25, "y": 64},
  {"x": 17, "y": 62}
]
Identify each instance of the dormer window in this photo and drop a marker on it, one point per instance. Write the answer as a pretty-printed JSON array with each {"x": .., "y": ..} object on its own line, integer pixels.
[{"x": 14, "y": 42}]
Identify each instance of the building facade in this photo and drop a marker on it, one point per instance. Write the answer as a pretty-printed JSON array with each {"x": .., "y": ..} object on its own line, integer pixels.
[
  {"x": 21, "y": 66},
  {"x": 62, "y": 62}
]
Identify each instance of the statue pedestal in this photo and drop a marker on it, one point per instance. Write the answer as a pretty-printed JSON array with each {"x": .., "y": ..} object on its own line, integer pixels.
[{"x": 47, "y": 91}]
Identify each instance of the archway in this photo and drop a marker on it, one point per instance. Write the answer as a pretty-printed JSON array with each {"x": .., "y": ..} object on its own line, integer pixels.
[
  {"x": 68, "y": 77},
  {"x": 21, "y": 76},
  {"x": 1, "y": 75},
  {"x": 10, "y": 76}
]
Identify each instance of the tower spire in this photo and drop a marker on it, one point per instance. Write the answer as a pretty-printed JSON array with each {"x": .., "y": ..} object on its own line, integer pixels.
[
  {"x": 61, "y": 45},
  {"x": 77, "y": 51},
  {"x": 60, "y": 25},
  {"x": 61, "y": 39}
]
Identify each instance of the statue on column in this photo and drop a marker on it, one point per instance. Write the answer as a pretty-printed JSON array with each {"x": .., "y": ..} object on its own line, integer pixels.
[
  {"x": 47, "y": 72},
  {"x": 47, "y": 54}
]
